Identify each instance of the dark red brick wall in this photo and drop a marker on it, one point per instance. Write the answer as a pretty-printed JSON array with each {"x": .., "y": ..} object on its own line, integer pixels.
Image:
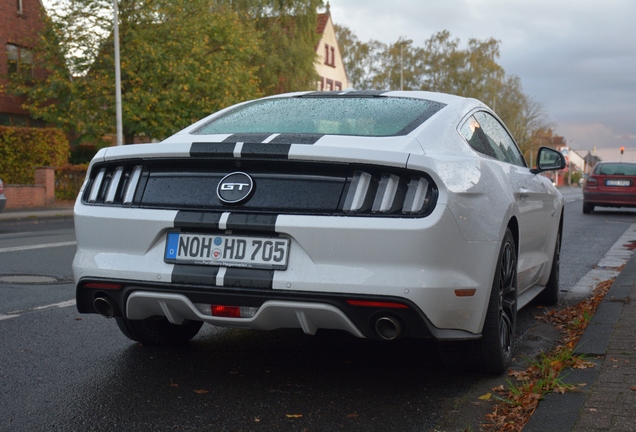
[
  {"x": 18, "y": 29},
  {"x": 41, "y": 194}
]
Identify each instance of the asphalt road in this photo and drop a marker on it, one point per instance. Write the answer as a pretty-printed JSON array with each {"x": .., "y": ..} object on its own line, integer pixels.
[{"x": 60, "y": 370}]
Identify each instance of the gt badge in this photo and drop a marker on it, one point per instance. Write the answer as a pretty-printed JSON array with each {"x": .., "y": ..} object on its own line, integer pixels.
[{"x": 235, "y": 188}]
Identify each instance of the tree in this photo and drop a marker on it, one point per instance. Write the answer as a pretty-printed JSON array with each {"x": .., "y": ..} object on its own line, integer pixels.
[
  {"x": 287, "y": 29},
  {"x": 442, "y": 66},
  {"x": 180, "y": 60},
  {"x": 363, "y": 61}
]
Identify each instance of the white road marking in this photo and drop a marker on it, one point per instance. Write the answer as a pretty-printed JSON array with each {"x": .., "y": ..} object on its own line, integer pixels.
[
  {"x": 40, "y": 246},
  {"x": 18, "y": 313},
  {"x": 58, "y": 305}
]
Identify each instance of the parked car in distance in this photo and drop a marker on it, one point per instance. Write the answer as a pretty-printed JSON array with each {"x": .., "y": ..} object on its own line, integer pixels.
[
  {"x": 610, "y": 184},
  {"x": 3, "y": 198},
  {"x": 386, "y": 214}
]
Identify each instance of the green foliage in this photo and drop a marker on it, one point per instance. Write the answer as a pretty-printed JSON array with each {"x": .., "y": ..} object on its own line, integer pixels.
[
  {"x": 287, "y": 29},
  {"x": 180, "y": 61},
  {"x": 69, "y": 180},
  {"x": 24, "y": 149}
]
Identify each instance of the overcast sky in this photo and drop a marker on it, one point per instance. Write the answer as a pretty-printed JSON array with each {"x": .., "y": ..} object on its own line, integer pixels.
[{"x": 576, "y": 57}]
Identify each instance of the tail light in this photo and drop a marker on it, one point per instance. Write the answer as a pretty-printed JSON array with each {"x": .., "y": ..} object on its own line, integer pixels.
[
  {"x": 390, "y": 194},
  {"x": 115, "y": 185}
]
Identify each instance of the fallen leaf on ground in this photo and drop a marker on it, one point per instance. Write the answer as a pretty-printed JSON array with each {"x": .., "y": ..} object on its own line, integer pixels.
[
  {"x": 293, "y": 415},
  {"x": 201, "y": 391},
  {"x": 487, "y": 396}
]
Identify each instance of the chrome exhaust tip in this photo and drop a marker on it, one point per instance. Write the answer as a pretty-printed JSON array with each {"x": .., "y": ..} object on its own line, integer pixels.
[
  {"x": 388, "y": 328},
  {"x": 104, "y": 306}
]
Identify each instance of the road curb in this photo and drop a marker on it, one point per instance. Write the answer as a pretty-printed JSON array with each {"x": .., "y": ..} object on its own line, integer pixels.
[
  {"x": 560, "y": 412},
  {"x": 33, "y": 215}
]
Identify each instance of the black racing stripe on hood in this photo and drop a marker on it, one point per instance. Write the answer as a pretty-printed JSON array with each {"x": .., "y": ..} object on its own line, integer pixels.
[
  {"x": 248, "y": 278},
  {"x": 195, "y": 274},
  {"x": 197, "y": 220},
  {"x": 203, "y": 149},
  {"x": 296, "y": 139}
]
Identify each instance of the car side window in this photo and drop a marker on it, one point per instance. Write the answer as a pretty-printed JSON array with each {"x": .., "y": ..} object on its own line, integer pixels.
[{"x": 487, "y": 136}]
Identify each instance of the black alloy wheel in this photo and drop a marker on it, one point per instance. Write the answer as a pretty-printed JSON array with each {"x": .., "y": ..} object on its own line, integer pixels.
[
  {"x": 496, "y": 346},
  {"x": 492, "y": 353}
]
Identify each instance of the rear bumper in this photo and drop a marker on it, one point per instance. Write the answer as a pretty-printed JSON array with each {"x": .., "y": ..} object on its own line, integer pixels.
[
  {"x": 609, "y": 199},
  {"x": 422, "y": 262},
  {"x": 272, "y": 310}
]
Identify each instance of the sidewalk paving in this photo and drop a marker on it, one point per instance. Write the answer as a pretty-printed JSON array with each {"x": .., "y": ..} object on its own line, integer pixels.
[{"x": 607, "y": 401}]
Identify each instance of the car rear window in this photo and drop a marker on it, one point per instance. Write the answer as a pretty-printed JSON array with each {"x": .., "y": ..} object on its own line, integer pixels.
[
  {"x": 626, "y": 169},
  {"x": 364, "y": 116}
]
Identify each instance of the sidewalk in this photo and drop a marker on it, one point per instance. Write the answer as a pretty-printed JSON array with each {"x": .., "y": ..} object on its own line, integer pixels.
[
  {"x": 63, "y": 209},
  {"x": 607, "y": 400}
]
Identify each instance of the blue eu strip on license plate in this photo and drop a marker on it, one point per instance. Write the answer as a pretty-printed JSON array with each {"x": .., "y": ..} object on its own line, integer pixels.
[{"x": 227, "y": 250}]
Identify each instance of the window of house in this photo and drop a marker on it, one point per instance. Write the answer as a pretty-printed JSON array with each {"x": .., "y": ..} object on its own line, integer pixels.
[
  {"x": 337, "y": 85},
  {"x": 20, "y": 61},
  {"x": 330, "y": 55},
  {"x": 328, "y": 85}
]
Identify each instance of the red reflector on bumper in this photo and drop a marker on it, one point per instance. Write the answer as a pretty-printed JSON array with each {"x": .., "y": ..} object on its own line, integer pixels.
[
  {"x": 103, "y": 285},
  {"x": 226, "y": 311},
  {"x": 377, "y": 304}
]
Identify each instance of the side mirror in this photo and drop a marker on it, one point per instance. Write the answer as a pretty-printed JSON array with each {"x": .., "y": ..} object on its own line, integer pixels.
[{"x": 548, "y": 159}]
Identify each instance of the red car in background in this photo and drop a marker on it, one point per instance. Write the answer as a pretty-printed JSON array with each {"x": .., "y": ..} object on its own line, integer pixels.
[{"x": 610, "y": 184}]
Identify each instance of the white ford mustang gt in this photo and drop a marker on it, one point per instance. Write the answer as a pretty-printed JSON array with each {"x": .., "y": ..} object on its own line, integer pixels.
[{"x": 384, "y": 214}]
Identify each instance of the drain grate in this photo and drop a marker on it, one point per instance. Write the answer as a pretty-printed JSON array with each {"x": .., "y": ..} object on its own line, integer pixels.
[{"x": 30, "y": 279}]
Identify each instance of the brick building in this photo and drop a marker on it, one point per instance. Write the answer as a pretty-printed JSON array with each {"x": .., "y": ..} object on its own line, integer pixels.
[{"x": 20, "y": 22}]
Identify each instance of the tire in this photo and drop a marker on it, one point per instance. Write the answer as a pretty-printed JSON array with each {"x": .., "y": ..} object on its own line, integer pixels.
[
  {"x": 158, "y": 331},
  {"x": 492, "y": 353},
  {"x": 497, "y": 343},
  {"x": 588, "y": 208},
  {"x": 550, "y": 295}
]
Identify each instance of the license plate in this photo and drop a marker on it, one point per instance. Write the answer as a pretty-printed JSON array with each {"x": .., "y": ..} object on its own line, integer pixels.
[
  {"x": 618, "y": 182},
  {"x": 227, "y": 250}
]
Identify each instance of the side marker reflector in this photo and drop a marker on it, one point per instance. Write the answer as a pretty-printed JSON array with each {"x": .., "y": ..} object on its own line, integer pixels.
[{"x": 465, "y": 292}]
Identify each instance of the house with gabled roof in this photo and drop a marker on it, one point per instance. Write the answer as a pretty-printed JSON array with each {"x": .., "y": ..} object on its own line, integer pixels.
[{"x": 330, "y": 67}]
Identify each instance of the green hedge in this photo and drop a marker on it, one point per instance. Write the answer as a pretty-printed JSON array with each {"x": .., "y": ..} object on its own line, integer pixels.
[
  {"x": 68, "y": 181},
  {"x": 24, "y": 149}
]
